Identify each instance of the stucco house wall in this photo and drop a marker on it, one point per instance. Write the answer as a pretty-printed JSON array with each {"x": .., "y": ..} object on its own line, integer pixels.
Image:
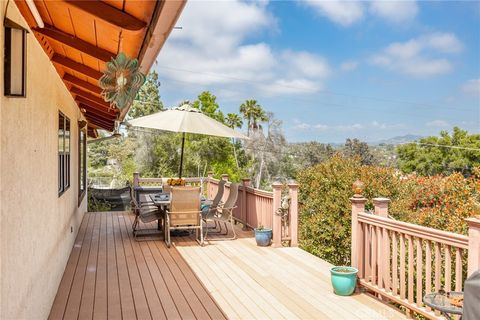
[{"x": 37, "y": 227}]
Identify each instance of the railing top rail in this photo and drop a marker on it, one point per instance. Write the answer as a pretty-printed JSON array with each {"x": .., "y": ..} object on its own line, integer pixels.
[
  {"x": 258, "y": 192},
  {"x": 414, "y": 230}
]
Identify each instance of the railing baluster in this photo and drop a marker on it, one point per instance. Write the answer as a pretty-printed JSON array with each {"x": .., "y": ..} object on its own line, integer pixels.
[
  {"x": 458, "y": 270},
  {"x": 448, "y": 268},
  {"x": 438, "y": 268},
  {"x": 410, "y": 269},
  {"x": 394, "y": 264},
  {"x": 402, "y": 266},
  {"x": 386, "y": 260},
  {"x": 361, "y": 248},
  {"x": 374, "y": 255},
  {"x": 380, "y": 257},
  {"x": 428, "y": 268},
  {"x": 419, "y": 272},
  {"x": 368, "y": 253}
]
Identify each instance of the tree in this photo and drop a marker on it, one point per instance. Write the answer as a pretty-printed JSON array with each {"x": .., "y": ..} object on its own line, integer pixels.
[
  {"x": 147, "y": 100},
  {"x": 357, "y": 148},
  {"x": 254, "y": 114},
  {"x": 233, "y": 120},
  {"x": 445, "y": 154},
  {"x": 207, "y": 103}
]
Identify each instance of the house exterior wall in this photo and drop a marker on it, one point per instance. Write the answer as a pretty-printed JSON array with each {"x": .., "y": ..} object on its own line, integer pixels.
[{"x": 35, "y": 223}]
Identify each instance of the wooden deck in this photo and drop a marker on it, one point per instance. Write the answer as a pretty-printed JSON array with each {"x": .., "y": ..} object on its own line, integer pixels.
[
  {"x": 250, "y": 282},
  {"x": 109, "y": 275}
]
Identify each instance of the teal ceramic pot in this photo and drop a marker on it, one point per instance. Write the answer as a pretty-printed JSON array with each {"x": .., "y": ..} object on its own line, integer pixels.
[
  {"x": 263, "y": 236},
  {"x": 344, "y": 280}
]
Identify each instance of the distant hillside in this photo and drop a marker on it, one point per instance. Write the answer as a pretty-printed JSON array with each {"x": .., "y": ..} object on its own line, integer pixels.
[{"x": 398, "y": 140}]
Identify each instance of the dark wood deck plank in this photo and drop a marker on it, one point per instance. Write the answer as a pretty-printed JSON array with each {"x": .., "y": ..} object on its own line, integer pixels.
[
  {"x": 154, "y": 304},
  {"x": 60, "y": 303},
  {"x": 88, "y": 293},
  {"x": 109, "y": 275},
  {"x": 114, "y": 307},
  {"x": 100, "y": 310},
  {"x": 126, "y": 295},
  {"x": 75, "y": 297}
]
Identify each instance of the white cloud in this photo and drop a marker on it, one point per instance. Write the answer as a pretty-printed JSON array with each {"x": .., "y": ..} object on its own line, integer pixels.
[
  {"x": 472, "y": 87},
  {"x": 420, "y": 56},
  {"x": 437, "y": 124},
  {"x": 348, "y": 66},
  {"x": 395, "y": 11},
  {"x": 347, "y": 13},
  {"x": 210, "y": 52},
  {"x": 344, "y": 13}
]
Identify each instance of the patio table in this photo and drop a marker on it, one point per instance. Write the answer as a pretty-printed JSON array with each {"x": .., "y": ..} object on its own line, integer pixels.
[{"x": 441, "y": 302}]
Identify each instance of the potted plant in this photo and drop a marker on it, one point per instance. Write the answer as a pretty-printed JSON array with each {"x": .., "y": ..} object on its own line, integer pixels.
[
  {"x": 344, "y": 280},
  {"x": 263, "y": 236}
]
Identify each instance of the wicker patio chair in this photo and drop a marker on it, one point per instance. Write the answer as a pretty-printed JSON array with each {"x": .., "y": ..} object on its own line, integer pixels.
[
  {"x": 224, "y": 214},
  {"x": 184, "y": 213},
  {"x": 145, "y": 213}
]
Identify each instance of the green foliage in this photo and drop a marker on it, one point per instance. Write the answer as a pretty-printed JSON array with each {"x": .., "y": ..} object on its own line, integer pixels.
[
  {"x": 357, "y": 148},
  {"x": 147, "y": 100},
  {"x": 254, "y": 114},
  {"x": 426, "y": 159},
  {"x": 325, "y": 214},
  {"x": 207, "y": 103}
]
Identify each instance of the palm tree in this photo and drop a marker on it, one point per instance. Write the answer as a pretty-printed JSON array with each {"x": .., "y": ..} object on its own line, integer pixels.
[
  {"x": 233, "y": 120},
  {"x": 254, "y": 114}
]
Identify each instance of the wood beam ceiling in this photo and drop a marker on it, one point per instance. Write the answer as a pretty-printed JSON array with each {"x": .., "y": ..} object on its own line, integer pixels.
[
  {"x": 82, "y": 83},
  {"x": 98, "y": 107},
  {"x": 109, "y": 14},
  {"x": 75, "y": 43},
  {"x": 76, "y": 66},
  {"x": 95, "y": 115},
  {"x": 91, "y": 97},
  {"x": 89, "y": 106}
]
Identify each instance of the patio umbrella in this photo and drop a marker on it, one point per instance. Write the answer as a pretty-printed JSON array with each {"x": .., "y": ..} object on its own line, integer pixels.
[{"x": 186, "y": 119}]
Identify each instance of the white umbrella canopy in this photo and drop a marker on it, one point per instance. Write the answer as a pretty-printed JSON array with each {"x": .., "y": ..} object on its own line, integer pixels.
[{"x": 186, "y": 119}]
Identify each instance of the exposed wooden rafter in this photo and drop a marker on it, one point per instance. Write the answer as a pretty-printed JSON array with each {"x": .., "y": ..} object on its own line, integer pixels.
[
  {"x": 95, "y": 115},
  {"x": 75, "y": 66},
  {"x": 92, "y": 98},
  {"x": 100, "y": 123},
  {"x": 87, "y": 105},
  {"x": 94, "y": 105},
  {"x": 75, "y": 43},
  {"x": 109, "y": 14},
  {"x": 81, "y": 83}
]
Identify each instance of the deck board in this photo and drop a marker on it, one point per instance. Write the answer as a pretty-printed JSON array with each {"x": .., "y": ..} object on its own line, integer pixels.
[
  {"x": 109, "y": 275},
  {"x": 274, "y": 283}
]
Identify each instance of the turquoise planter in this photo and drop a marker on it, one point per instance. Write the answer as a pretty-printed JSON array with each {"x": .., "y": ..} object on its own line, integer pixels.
[
  {"x": 344, "y": 280},
  {"x": 263, "y": 236}
]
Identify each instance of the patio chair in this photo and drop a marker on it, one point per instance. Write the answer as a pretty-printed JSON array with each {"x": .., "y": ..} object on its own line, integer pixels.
[
  {"x": 145, "y": 213},
  {"x": 184, "y": 213},
  {"x": 224, "y": 214},
  {"x": 212, "y": 205}
]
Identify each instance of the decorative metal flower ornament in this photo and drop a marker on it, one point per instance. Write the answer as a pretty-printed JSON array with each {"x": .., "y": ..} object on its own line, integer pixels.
[{"x": 121, "y": 81}]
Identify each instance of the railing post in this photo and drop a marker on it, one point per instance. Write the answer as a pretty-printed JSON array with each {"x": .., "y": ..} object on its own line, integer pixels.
[
  {"x": 277, "y": 219},
  {"x": 381, "y": 209},
  {"x": 225, "y": 177},
  {"x": 136, "y": 177},
  {"x": 473, "y": 245},
  {"x": 245, "y": 183},
  {"x": 358, "y": 205},
  {"x": 381, "y": 206},
  {"x": 293, "y": 219},
  {"x": 209, "y": 184}
]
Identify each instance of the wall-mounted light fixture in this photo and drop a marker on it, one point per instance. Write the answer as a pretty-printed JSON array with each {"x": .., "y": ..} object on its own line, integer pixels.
[{"x": 15, "y": 59}]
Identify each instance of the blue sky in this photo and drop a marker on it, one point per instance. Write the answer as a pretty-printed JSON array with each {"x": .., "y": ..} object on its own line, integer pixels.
[{"x": 332, "y": 69}]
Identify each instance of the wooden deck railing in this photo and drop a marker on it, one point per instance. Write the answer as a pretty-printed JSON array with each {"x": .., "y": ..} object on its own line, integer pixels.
[
  {"x": 257, "y": 207},
  {"x": 403, "y": 261}
]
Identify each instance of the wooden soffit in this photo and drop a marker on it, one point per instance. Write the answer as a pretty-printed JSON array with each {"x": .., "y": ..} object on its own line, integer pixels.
[{"x": 79, "y": 37}]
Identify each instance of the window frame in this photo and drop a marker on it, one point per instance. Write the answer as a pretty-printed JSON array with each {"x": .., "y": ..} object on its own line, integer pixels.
[
  {"x": 64, "y": 160},
  {"x": 82, "y": 164},
  {"x": 7, "y": 67}
]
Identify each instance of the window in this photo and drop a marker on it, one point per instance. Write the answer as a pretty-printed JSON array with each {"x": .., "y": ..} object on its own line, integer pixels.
[
  {"x": 63, "y": 153},
  {"x": 14, "y": 59},
  {"x": 82, "y": 164}
]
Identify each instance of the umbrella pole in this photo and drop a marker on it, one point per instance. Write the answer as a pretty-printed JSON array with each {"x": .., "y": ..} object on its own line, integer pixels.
[{"x": 181, "y": 156}]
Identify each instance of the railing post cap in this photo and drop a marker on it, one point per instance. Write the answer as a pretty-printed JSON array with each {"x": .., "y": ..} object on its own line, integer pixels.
[
  {"x": 210, "y": 173},
  {"x": 381, "y": 200},
  {"x": 277, "y": 185},
  {"x": 358, "y": 200},
  {"x": 292, "y": 184},
  {"x": 246, "y": 179},
  {"x": 473, "y": 222}
]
